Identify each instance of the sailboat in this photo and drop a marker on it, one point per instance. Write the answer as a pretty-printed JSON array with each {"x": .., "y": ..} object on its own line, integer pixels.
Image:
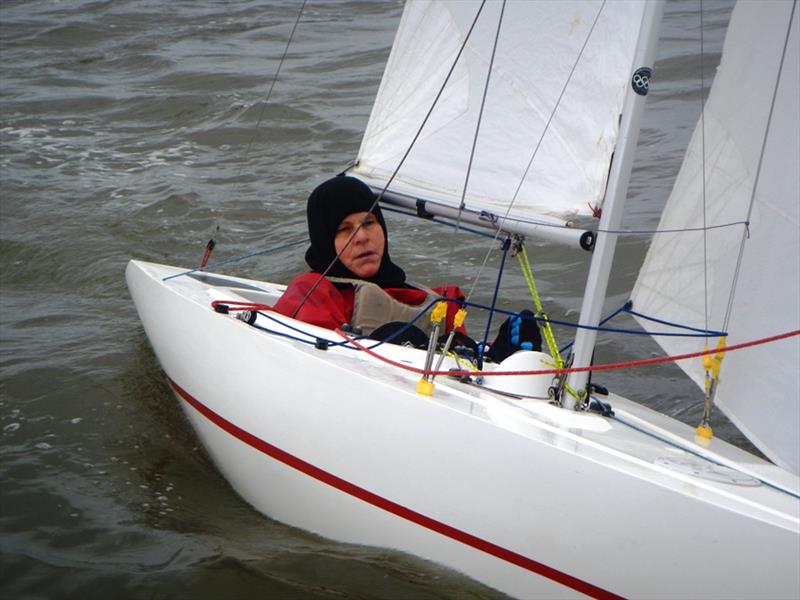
[{"x": 499, "y": 473}]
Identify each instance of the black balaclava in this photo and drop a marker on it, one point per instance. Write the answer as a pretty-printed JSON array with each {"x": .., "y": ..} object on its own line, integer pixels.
[{"x": 328, "y": 204}]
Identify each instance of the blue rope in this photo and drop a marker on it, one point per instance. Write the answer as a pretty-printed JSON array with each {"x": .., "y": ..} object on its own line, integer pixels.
[
  {"x": 343, "y": 343},
  {"x": 506, "y": 246},
  {"x": 605, "y": 320},
  {"x": 293, "y": 328},
  {"x": 606, "y": 329},
  {"x": 297, "y": 339},
  {"x": 492, "y": 308},
  {"x": 627, "y": 307},
  {"x": 702, "y": 332}
]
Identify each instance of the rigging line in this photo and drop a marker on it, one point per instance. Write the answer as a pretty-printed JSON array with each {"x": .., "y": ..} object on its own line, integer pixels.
[
  {"x": 274, "y": 81},
  {"x": 690, "y": 450},
  {"x": 603, "y": 321},
  {"x": 698, "y": 332},
  {"x": 498, "y": 227},
  {"x": 506, "y": 247},
  {"x": 351, "y": 343},
  {"x": 588, "y": 368},
  {"x": 622, "y": 232},
  {"x": 461, "y": 204},
  {"x": 680, "y": 230},
  {"x": 379, "y": 196},
  {"x": 706, "y": 332},
  {"x": 264, "y": 310},
  {"x": 238, "y": 258},
  {"x": 238, "y": 186},
  {"x": 703, "y": 167},
  {"x": 745, "y": 234},
  {"x": 433, "y": 104},
  {"x": 505, "y": 217}
]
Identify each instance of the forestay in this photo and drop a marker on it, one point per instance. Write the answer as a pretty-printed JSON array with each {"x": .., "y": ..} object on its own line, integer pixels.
[
  {"x": 759, "y": 388},
  {"x": 539, "y": 45}
]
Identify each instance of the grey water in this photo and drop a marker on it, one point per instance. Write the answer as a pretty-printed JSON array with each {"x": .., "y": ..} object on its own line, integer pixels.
[{"x": 134, "y": 128}]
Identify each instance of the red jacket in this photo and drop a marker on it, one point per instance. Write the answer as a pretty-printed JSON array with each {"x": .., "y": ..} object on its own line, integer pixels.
[{"x": 331, "y": 306}]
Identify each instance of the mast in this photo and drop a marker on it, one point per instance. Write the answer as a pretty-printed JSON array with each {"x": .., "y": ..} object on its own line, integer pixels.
[{"x": 605, "y": 245}]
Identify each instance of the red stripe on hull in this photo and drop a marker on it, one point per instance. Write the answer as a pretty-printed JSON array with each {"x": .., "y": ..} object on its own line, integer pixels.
[{"x": 392, "y": 507}]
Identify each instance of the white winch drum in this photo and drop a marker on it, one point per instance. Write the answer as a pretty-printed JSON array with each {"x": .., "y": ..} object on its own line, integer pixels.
[{"x": 529, "y": 386}]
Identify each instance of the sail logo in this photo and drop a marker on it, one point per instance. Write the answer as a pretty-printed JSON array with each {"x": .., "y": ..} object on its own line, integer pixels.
[{"x": 641, "y": 80}]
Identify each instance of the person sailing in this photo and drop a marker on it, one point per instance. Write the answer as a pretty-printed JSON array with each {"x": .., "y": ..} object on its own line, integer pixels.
[{"x": 362, "y": 288}]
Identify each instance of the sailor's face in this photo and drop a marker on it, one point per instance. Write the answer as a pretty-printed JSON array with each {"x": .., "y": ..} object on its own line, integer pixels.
[{"x": 364, "y": 253}]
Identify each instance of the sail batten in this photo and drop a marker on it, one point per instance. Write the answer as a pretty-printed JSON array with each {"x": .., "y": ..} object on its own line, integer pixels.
[
  {"x": 542, "y": 98},
  {"x": 752, "y": 149}
]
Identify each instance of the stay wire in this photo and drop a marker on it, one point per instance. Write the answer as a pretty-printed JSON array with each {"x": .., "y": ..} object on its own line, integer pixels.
[
  {"x": 746, "y": 233},
  {"x": 505, "y": 217},
  {"x": 461, "y": 205},
  {"x": 621, "y": 232},
  {"x": 277, "y": 74},
  {"x": 703, "y": 167},
  {"x": 699, "y": 454},
  {"x": 237, "y": 187},
  {"x": 502, "y": 221},
  {"x": 402, "y": 160},
  {"x": 402, "y": 212},
  {"x": 239, "y": 258}
]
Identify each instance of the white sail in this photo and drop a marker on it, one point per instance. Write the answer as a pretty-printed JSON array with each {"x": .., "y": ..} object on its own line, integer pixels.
[
  {"x": 759, "y": 387},
  {"x": 540, "y": 43}
]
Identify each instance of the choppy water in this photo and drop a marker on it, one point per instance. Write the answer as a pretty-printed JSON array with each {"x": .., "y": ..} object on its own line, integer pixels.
[{"x": 129, "y": 129}]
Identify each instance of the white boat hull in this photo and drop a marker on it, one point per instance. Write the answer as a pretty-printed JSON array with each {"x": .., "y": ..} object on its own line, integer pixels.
[{"x": 525, "y": 497}]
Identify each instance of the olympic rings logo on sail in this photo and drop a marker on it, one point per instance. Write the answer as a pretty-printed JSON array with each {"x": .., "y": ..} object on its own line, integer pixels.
[{"x": 641, "y": 80}]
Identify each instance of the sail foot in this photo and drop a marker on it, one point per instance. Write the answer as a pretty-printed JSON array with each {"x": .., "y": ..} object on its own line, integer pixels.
[{"x": 542, "y": 227}]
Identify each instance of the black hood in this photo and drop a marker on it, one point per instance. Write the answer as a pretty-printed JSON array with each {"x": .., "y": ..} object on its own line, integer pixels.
[{"x": 328, "y": 204}]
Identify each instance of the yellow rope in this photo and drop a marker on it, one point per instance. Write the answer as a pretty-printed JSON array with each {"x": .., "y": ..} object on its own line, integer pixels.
[
  {"x": 463, "y": 363},
  {"x": 546, "y": 328}
]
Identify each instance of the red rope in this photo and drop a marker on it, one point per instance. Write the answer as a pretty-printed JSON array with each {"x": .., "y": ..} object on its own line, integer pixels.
[
  {"x": 609, "y": 367},
  {"x": 235, "y": 305}
]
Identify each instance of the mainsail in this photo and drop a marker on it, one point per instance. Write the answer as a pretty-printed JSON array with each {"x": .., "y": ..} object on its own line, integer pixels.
[
  {"x": 737, "y": 278},
  {"x": 558, "y": 81}
]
